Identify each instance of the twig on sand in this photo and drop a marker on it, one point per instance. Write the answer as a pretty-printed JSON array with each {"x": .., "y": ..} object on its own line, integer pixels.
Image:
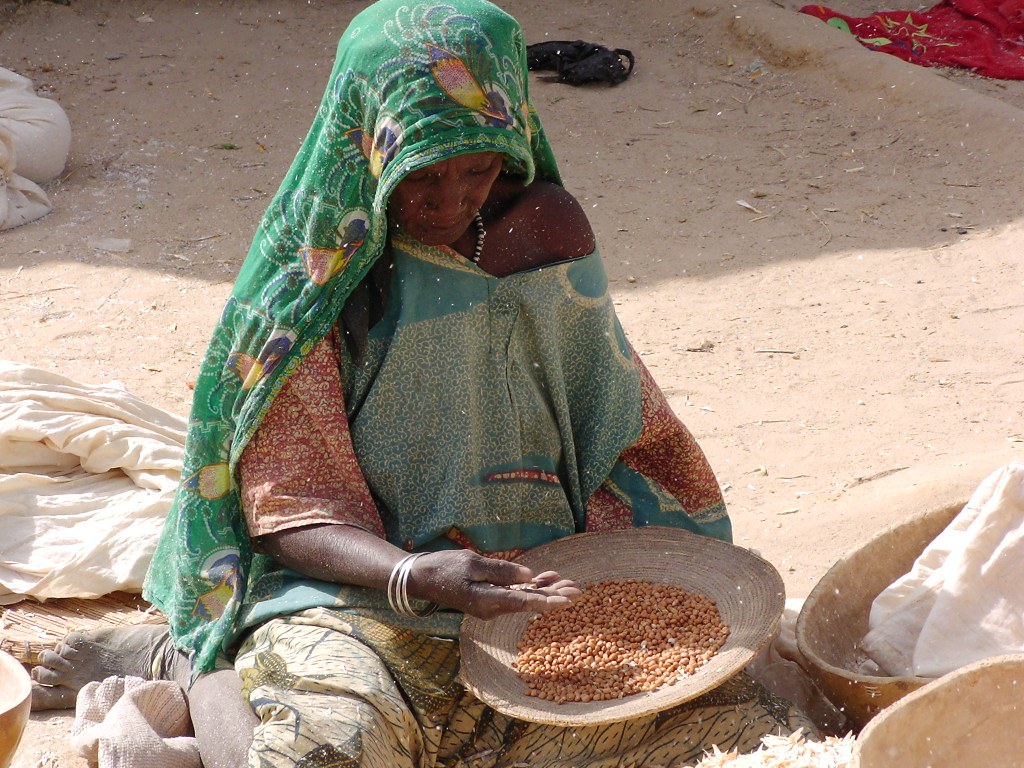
[
  {"x": 829, "y": 240},
  {"x": 72, "y": 172},
  {"x": 986, "y": 310},
  {"x": 876, "y": 476},
  {"x": 206, "y": 237},
  {"x": 9, "y": 296},
  {"x": 731, "y": 82}
]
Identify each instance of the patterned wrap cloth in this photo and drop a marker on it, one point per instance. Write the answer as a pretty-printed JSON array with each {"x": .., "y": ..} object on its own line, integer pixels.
[{"x": 339, "y": 690}]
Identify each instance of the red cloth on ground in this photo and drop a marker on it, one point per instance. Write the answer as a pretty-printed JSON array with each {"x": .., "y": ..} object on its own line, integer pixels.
[{"x": 986, "y": 36}]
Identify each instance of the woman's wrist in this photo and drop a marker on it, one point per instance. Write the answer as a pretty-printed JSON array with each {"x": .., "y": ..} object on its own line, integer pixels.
[{"x": 398, "y": 589}]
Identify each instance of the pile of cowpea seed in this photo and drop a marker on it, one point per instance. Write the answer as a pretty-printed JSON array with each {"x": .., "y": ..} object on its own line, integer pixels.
[{"x": 622, "y": 636}]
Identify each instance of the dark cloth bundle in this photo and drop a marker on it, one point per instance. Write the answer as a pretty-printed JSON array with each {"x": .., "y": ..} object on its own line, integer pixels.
[{"x": 577, "y": 62}]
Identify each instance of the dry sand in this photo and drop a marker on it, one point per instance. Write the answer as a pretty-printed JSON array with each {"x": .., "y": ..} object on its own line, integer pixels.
[{"x": 849, "y": 352}]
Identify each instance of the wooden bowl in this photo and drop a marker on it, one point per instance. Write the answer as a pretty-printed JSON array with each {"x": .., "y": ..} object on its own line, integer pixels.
[
  {"x": 15, "y": 703},
  {"x": 834, "y": 618},
  {"x": 970, "y": 717}
]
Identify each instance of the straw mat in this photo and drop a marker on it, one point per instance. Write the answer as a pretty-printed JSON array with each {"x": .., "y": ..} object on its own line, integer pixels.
[{"x": 30, "y": 627}]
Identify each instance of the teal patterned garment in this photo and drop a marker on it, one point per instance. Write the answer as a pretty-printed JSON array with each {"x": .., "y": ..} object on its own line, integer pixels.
[
  {"x": 413, "y": 83},
  {"x": 481, "y": 396}
]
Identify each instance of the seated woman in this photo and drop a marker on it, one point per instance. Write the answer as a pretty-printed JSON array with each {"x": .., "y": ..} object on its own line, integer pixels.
[{"x": 419, "y": 376}]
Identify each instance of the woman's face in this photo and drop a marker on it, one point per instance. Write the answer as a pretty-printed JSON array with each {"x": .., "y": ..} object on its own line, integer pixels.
[{"x": 437, "y": 203}]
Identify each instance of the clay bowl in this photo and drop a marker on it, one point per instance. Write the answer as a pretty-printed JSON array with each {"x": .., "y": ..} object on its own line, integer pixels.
[{"x": 15, "y": 702}]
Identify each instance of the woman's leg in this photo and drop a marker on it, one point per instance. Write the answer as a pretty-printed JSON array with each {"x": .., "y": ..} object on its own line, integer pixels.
[
  {"x": 144, "y": 651},
  {"x": 221, "y": 717}
]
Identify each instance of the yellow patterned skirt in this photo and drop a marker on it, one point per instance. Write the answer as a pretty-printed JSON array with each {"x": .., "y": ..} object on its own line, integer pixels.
[{"x": 338, "y": 690}]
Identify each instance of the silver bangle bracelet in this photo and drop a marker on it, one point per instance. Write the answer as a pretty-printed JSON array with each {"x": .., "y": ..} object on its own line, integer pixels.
[{"x": 398, "y": 592}]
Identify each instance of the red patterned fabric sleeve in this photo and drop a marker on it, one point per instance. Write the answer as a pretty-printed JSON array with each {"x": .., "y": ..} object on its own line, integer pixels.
[
  {"x": 668, "y": 453},
  {"x": 607, "y": 512},
  {"x": 300, "y": 467},
  {"x": 665, "y": 453}
]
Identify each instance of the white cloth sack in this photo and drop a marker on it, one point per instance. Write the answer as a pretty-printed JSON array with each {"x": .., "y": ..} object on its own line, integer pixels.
[
  {"x": 87, "y": 475},
  {"x": 35, "y": 137},
  {"x": 963, "y": 600},
  {"x": 21, "y": 200},
  {"x": 127, "y": 722}
]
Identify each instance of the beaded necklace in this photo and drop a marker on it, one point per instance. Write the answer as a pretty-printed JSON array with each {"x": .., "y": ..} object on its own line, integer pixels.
[{"x": 481, "y": 235}]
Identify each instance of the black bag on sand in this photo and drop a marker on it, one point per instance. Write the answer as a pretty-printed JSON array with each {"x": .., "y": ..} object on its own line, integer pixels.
[{"x": 578, "y": 62}]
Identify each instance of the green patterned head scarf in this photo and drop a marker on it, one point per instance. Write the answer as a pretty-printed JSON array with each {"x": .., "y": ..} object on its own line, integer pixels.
[{"x": 413, "y": 83}]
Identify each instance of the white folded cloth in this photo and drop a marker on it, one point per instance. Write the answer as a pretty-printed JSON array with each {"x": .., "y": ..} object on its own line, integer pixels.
[
  {"x": 963, "y": 600},
  {"x": 127, "y": 722},
  {"x": 87, "y": 475}
]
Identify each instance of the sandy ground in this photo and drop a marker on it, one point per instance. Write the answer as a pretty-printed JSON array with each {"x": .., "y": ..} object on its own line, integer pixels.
[{"x": 846, "y": 342}]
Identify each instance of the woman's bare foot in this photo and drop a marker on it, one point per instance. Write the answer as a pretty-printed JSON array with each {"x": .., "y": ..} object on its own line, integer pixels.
[{"x": 144, "y": 651}]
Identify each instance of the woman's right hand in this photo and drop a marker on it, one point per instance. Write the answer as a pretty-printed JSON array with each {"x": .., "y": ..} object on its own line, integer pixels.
[
  {"x": 460, "y": 579},
  {"x": 483, "y": 587}
]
